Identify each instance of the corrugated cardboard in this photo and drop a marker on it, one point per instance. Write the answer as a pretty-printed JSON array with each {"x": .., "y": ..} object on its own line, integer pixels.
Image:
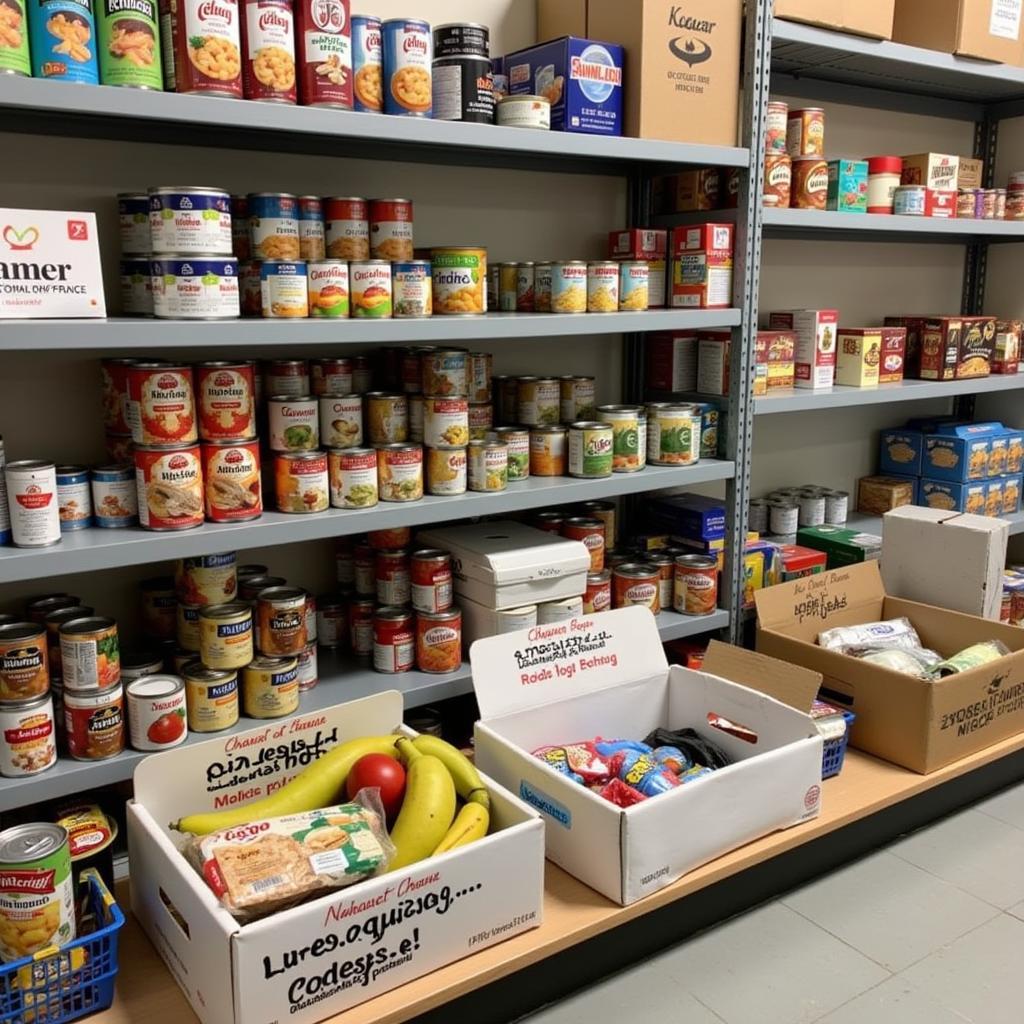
[
  {"x": 557, "y": 18},
  {"x": 989, "y": 29},
  {"x": 873, "y": 18},
  {"x": 915, "y": 723},
  {"x": 682, "y": 66},
  {"x": 945, "y": 558}
]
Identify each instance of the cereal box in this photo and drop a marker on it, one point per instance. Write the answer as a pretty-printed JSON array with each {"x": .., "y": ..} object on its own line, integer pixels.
[
  {"x": 859, "y": 356},
  {"x": 957, "y": 348},
  {"x": 815, "y": 331},
  {"x": 702, "y": 262},
  {"x": 847, "y": 186}
]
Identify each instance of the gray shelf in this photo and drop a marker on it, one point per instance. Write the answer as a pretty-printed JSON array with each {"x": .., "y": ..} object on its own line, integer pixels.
[
  {"x": 798, "y": 400},
  {"x": 133, "y": 334},
  {"x": 873, "y": 227},
  {"x": 95, "y": 549},
  {"x": 342, "y": 678},
  {"x": 58, "y": 108}
]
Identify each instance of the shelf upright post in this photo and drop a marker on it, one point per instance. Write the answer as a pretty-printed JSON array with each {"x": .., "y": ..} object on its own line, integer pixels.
[{"x": 739, "y": 423}]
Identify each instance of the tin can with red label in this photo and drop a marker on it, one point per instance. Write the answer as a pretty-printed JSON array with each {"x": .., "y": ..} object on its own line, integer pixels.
[
  {"x": 352, "y": 474},
  {"x": 115, "y": 394},
  {"x": 94, "y": 722},
  {"x": 592, "y": 533},
  {"x": 226, "y": 397},
  {"x": 347, "y": 228},
  {"x": 169, "y": 479},
  {"x": 282, "y": 619},
  {"x": 391, "y": 229},
  {"x": 439, "y": 641},
  {"x": 331, "y": 621},
  {"x": 805, "y": 132},
  {"x": 598, "y": 596},
  {"x": 778, "y": 177},
  {"x": 331, "y": 376},
  {"x": 665, "y": 564},
  {"x": 301, "y": 482},
  {"x": 202, "y": 44},
  {"x": 161, "y": 404},
  {"x": 636, "y": 583},
  {"x": 391, "y": 569},
  {"x": 360, "y": 625},
  {"x": 156, "y": 712},
  {"x": 250, "y": 286},
  {"x": 364, "y": 570},
  {"x": 394, "y": 640},
  {"x": 809, "y": 190},
  {"x": 286, "y": 377},
  {"x": 430, "y": 574},
  {"x": 324, "y": 49},
  {"x": 311, "y": 228},
  {"x": 231, "y": 476},
  {"x": 268, "y": 39}
]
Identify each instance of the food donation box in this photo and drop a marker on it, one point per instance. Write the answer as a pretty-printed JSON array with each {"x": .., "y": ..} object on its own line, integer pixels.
[
  {"x": 319, "y": 958},
  {"x": 606, "y": 676}
]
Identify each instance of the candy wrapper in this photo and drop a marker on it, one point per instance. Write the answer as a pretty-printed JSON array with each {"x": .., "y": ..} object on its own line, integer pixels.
[
  {"x": 644, "y": 773},
  {"x": 620, "y": 794},
  {"x": 580, "y": 761}
]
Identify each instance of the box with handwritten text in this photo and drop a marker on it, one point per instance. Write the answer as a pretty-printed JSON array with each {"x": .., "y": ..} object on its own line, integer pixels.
[
  {"x": 606, "y": 675},
  {"x": 325, "y": 956}
]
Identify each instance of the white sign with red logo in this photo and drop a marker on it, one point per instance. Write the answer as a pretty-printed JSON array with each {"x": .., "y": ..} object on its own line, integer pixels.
[{"x": 49, "y": 265}]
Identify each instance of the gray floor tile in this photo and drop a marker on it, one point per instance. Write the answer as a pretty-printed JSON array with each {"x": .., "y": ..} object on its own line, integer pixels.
[
  {"x": 890, "y": 910},
  {"x": 895, "y": 1001},
  {"x": 771, "y": 966},
  {"x": 979, "y": 975},
  {"x": 1017, "y": 911},
  {"x": 1007, "y": 806},
  {"x": 973, "y": 851}
]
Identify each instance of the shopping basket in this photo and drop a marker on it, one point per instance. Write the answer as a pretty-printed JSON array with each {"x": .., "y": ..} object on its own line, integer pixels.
[
  {"x": 834, "y": 749},
  {"x": 59, "y": 985}
]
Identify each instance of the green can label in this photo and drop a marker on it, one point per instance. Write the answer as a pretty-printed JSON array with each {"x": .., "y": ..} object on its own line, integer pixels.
[
  {"x": 129, "y": 38},
  {"x": 14, "y": 38},
  {"x": 591, "y": 451}
]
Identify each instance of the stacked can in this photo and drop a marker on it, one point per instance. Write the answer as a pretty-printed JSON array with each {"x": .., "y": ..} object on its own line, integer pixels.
[{"x": 463, "y": 83}]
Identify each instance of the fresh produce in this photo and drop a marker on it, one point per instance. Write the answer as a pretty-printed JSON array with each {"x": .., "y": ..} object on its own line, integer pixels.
[
  {"x": 468, "y": 783},
  {"x": 314, "y": 787},
  {"x": 383, "y": 772},
  {"x": 428, "y": 808},
  {"x": 470, "y": 824}
]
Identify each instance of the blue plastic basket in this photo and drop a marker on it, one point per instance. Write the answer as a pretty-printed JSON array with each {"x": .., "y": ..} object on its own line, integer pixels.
[
  {"x": 55, "y": 986},
  {"x": 834, "y": 751}
]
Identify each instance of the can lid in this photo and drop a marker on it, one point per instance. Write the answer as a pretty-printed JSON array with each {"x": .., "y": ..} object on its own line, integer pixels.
[
  {"x": 155, "y": 686},
  {"x": 885, "y": 165},
  {"x": 30, "y": 842}
]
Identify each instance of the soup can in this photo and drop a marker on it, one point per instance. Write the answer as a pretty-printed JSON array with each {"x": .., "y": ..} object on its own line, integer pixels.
[
  {"x": 331, "y": 377},
  {"x": 274, "y": 226},
  {"x": 591, "y": 532},
  {"x": 302, "y": 482},
  {"x": 673, "y": 434},
  {"x": 311, "y": 228},
  {"x": 33, "y": 502},
  {"x": 629, "y": 436},
  {"x": 282, "y": 620},
  {"x": 665, "y": 564},
  {"x": 696, "y": 585},
  {"x": 445, "y": 422},
  {"x": 352, "y": 474},
  {"x": 488, "y": 465},
  {"x": 446, "y": 470},
  {"x": 211, "y": 697},
  {"x": 411, "y": 289},
  {"x": 569, "y": 287},
  {"x": 387, "y": 418},
  {"x": 430, "y": 573},
  {"x": 24, "y": 661},
  {"x": 284, "y": 289},
  {"x": 400, "y": 472},
  {"x": 518, "y": 442},
  {"x": 548, "y": 450},
  {"x": 331, "y": 621},
  {"x": 360, "y": 624},
  {"x": 214, "y": 66},
  {"x": 288, "y": 378},
  {"x": 347, "y": 227},
  {"x": 364, "y": 570},
  {"x": 371, "y": 295},
  {"x": 157, "y": 716},
  {"x": 636, "y": 583},
  {"x": 542, "y": 275},
  {"x": 206, "y": 579},
  {"x": 341, "y": 421},
  {"x": 540, "y": 400},
  {"x": 94, "y": 722},
  {"x": 590, "y": 450},
  {"x": 74, "y": 499},
  {"x": 268, "y": 41},
  {"x": 270, "y": 687},
  {"x": 444, "y": 374},
  {"x": 231, "y": 478},
  {"x": 391, "y": 571},
  {"x": 169, "y": 486},
  {"x": 439, "y": 641},
  {"x": 225, "y": 635},
  {"x": 90, "y": 654},
  {"x": 478, "y": 376},
  {"x": 481, "y": 420},
  {"x": 28, "y": 740},
  {"x": 598, "y": 596},
  {"x": 293, "y": 423},
  {"x": 606, "y": 512},
  {"x": 391, "y": 229},
  {"x": 225, "y": 394},
  {"x": 53, "y": 621},
  {"x": 394, "y": 640},
  {"x": 161, "y": 405},
  {"x": 577, "y": 398},
  {"x": 408, "y": 53}
]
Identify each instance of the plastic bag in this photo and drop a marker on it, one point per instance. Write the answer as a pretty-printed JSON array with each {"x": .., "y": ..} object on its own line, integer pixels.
[
  {"x": 918, "y": 662},
  {"x": 972, "y": 657},
  {"x": 890, "y": 633}
]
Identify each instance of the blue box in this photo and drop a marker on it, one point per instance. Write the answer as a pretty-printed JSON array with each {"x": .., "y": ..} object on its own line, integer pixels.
[
  {"x": 1014, "y": 451},
  {"x": 847, "y": 186},
  {"x": 900, "y": 452},
  {"x": 693, "y": 516},
  {"x": 960, "y": 453},
  {"x": 954, "y": 497},
  {"x": 1013, "y": 485},
  {"x": 581, "y": 77}
]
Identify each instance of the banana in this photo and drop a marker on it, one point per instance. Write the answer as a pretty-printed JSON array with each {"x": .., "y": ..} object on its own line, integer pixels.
[
  {"x": 470, "y": 824},
  {"x": 468, "y": 783},
  {"x": 314, "y": 787},
  {"x": 427, "y": 810}
]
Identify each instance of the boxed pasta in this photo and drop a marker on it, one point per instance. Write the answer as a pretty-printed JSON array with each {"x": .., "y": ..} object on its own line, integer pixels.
[
  {"x": 936, "y": 171},
  {"x": 1006, "y": 358},
  {"x": 779, "y": 349},
  {"x": 914, "y": 326},
  {"x": 843, "y": 546},
  {"x": 963, "y": 451},
  {"x": 702, "y": 264},
  {"x": 894, "y": 343}
]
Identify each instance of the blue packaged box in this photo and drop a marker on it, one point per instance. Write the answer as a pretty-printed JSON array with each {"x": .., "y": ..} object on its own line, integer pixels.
[
  {"x": 1010, "y": 498},
  {"x": 954, "y": 497},
  {"x": 847, "y": 186},
  {"x": 581, "y": 77},
  {"x": 900, "y": 452},
  {"x": 693, "y": 516},
  {"x": 961, "y": 452},
  {"x": 1014, "y": 451}
]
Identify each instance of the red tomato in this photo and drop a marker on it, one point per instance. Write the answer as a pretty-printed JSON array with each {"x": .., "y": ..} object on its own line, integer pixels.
[
  {"x": 167, "y": 728},
  {"x": 382, "y": 772}
]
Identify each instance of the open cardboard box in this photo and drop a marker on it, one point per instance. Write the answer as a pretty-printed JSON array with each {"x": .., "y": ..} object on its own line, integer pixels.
[
  {"x": 606, "y": 675},
  {"x": 327, "y": 955},
  {"x": 912, "y": 722}
]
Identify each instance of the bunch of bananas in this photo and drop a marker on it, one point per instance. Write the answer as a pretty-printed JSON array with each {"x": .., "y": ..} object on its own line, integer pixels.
[{"x": 438, "y": 775}]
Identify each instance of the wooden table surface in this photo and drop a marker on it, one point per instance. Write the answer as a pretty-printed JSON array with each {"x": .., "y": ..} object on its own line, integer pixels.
[{"x": 572, "y": 912}]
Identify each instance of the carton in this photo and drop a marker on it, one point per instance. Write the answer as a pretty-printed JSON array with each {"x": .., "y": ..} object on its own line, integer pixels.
[
  {"x": 694, "y": 516},
  {"x": 894, "y": 343},
  {"x": 607, "y": 676},
  {"x": 944, "y": 558},
  {"x": 796, "y": 562},
  {"x": 698, "y": 190},
  {"x": 993, "y": 498},
  {"x": 557, "y": 18},
  {"x": 970, "y": 173},
  {"x": 877, "y": 495},
  {"x": 50, "y": 265},
  {"x": 713, "y": 363},
  {"x": 953, "y": 497},
  {"x": 322, "y": 957},
  {"x": 672, "y": 362},
  {"x": 847, "y": 186},
  {"x": 1013, "y": 485},
  {"x": 646, "y": 244},
  {"x": 815, "y": 331},
  {"x": 1015, "y": 451},
  {"x": 842, "y": 546},
  {"x": 859, "y": 356},
  {"x": 1006, "y": 358},
  {"x": 920, "y": 725},
  {"x": 989, "y": 29},
  {"x": 702, "y": 262},
  {"x": 933, "y": 170},
  {"x": 961, "y": 452},
  {"x": 684, "y": 66},
  {"x": 864, "y": 19},
  {"x": 957, "y": 348},
  {"x": 902, "y": 452},
  {"x": 914, "y": 326},
  {"x": 781, "y": 357}
]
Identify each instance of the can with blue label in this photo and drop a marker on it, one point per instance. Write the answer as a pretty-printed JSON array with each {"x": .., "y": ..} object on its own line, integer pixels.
[
  {"x": 367, "y": 74},
  {"x": 136, "y": 287},
  {"x": 189, "y": 221},
  {"x": 115, "y": 497},
  {"x": 74, "y": 498},
  {"x": 225, "y": 635},
  {"x": 195, "y": 287},
  {"x": 14, "y": 59},
  {"x": 62, "y": 37},
  {"x": 284, "y": 293},
  {"x": 408, "y": 51},
  {"x": 273, "y": 226},
  {"x": 5, "y": 514}
]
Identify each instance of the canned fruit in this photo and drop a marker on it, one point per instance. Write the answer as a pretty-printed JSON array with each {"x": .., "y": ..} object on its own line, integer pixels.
[
  {"x": 156, "y": 712},
  {"x": 24, "y": 661},
  {"x": 190, "y": 221},
  {"x": 284, "y": 290},
  {"x": 371, "y": 289},
  {"x": 407, "y": 57},
  {"x": 301, "y": 482},
  {"x": 328, "y": 289},
  {"x": 268, "y": 34},
  {"x": 169, "y": 480},
  {"x": 94, "y": 722},
  {"x": 353, "y": 477},
  {"x": 129, "y": 43},
  {"x": 195, "y": 288},
  {"x": 459, "y": 280}
]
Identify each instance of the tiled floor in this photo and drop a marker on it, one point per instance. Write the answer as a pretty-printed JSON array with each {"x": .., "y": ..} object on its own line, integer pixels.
[{"x": 929, "y": 930}]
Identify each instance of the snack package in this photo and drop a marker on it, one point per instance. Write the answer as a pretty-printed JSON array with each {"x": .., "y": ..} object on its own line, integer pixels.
[
  {"x": 911, "y": 661},
  {"x": 972, "y": 657},
  {"x": 266, "y": 866},
  {"x": 644, "y": 773},
  {"x": 580, "y": 761},
  {"x": 870, "y": 635},
  {"x": 618, "y": 793}
]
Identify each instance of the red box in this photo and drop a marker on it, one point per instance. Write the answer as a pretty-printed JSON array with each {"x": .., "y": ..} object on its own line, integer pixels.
[
  {"x": 672, "y": 362},
  {"x": 914, "y": 326},
  {"x": 799, "y": 561},
  {"x": 958, "y": 348},
  {"x": 940, "y": 202},
  {"x": 702, "y": 262},
  {"x": 779, "y": 348},
  {"x": 894, "y": 347},
  {"x": 1008, "y": 339},
  {"x": 637, "y": 244}
]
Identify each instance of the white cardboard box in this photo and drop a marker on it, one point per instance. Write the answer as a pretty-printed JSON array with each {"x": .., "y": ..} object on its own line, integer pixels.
[
  {"x": 49, "y": 265},
  {"x": 606, "y": 675},
  {"x": 320, "y": 958},
  {"x": 947, "y": 559},
  {"x": 506, "y": 564}
]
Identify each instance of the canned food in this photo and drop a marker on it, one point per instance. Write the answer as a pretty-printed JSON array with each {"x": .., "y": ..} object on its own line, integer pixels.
[
  {"x": 605, "y": 511},
  {"x": 518, "y": 443},
  {"x": 446, "y": 471},
  {"x": 226, "y": 400},
  {"x": 310, "y": 618},
  {"x": 312, "y": 244},
  {"x": 524, "y": 112},
  {"x": 430, "y": 580},
  {"x": 577, "y": 398},
  {"x": 94, "y": 722},
  {"x": 241, "y": 244},
  {"x": 352, "y": 474},
  {"x": 302, "y": 482},
  {"x": 636, "y": 583},
  {"x": 590, "y": 450},
  {"x": 37, "y": 894},
  {"x": 268, "y": 37},
  {"x": 161, "y": 404},
  {"x": 394, "y": 640},
  {"x": 407, "y": 57},
  {"x": 673, "y": 435},
  {"x": 136, "y": 664},
  {"x": 362, "y": 374},
  {"x": 776, "y": 126},
  {"x": 634, "y": 281},
  {"x": 569, "y": 287},
  {"x": 128, "y": 41},
  {"x": 90, "y": 654},
  {"x": 205, "y": 40},
  {"x": 206, "y": 579},
  {"x": 282, "y": 620},
  {"x": 63, "y": 41},
  {"x": 360, "y": 623},
  {"x": 250, "y": 587},
  {"x": 540, "y": 400},
  {"x": 225, "y": 635},
  {"x": 548, "y": 450},
  {"x": 445, "y": 422},
  {"x": 559, "y": 611},
  {"x": 809, "y": 189},
  {"x": 525, "y": 296},
  {"x": 488, "y": 465},
  {"x": 38, "y": 608},
  {"x": 459, "y": 280},
  {"x": 273, "y": 221},
  {"x": 629, "y": 436},
  {"x": 169, "y": 483},
  {"x": 805, "y": 132},
  {"x": 481, "y": 420},
  {"x": 439, "y": 641},
  {"x": 778, "y": 178},
  {"x": 463, "y": 90},
  {"x": 52, "y": 623},
  {"x": 542, "y": 287},
  {"x": 508, "y": 398},
  {"x": 347, "y": 227},
  {"x": 909, "y": 200},
  {"x": 391, "y": 227},
  {"x": 411, "y": 289},
  {"x": 332, "y": 377},
  {"x": 602, "y": 287},
  {"x": 598, "y": 597},
  {"x": 250, "y": 288},
  {"x": 307, "y": 668},
  {"x": 371, "y": 289},
  {"x": 696, "y": 585},
  {"x": 444, "y": 373},
  {"x": 331, "y": 621},
  {"x": 14, "y": 57},
  {"x": 195, "y": 287},
  {"x": 133, "y": 224},
  {"x": 400, "y": 472},
  {"x": 211, "y": 697},
  {"x": 187, "y": 221},
  {"x": 294, "y": 423},
  {"x": 391, "y": 570},
  {"x": 284, "y": 290},
  {"x": 478, "y": 376},
  {"x": 461, "y": 39},
  {"x": 231, "y": 476},
  {"x": 323, "y": 34},
  {"x": 24, "y": 661},
  {"x": 508, "y": 278},
  {"x": 783, "y": 518},
  {"x": 159, "y": 607},
  {"x": 74, "y": 499},
  {"x": 28, "y": 743},
  {"x": 270, "y": 687},
  {"x": 592, "y": 534},
  {"x": 34, "y": 510},
  {"x": 710, "y": 419},
  {"x": 812, "y": 509},
  {"x": 288, "y": 377},
  {"x": 365, "y": 570},
  {"x": 156, "y": 712},
  {"x": 114, "y": 391}
]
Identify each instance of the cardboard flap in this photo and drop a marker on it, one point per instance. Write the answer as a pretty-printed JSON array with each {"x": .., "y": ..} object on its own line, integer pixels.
[
  {"x": 538, "y": 666},
  {"x": 789, "y": 684}
]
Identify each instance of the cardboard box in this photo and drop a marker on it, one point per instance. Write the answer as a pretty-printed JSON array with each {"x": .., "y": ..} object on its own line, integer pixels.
[
  {"x": 989, "y": 29},
  {"x": 795, "y": 562},
  {"x": 933, "y": 170},
  {"x": 953, "y": 497},
  {"x": 958, "y": 348},
  {"x": 901, "y": 452},
  {"x": 480, "y": 621},
  {"x": 760, "y": 364},
  {"x": 847, "y": 186},
  {"x": 864, "y": 19},
  {"x": 914, "y": 326},
  {"x": 581, "y": 77},
  {"x": 1015, "y": 451},
  {"x": 920, "y": 725},
  {"x": 859, "y": 356},
  {"x": 877, "y": 495},
  {"x": 672, "y": 362},
  {"x": 815, "y": 331},
  {"x": 781, "y": 346},
  {"x": 684, "y": 66},
  {"x": 944, "y": 558},
  {"x": 1006, "y": 358},
  {"x": 689, "y": 515},
  {"x": 970, "y": 173},
  {"x": 50, "y": 265},
  {"x": 1013, "y": 487},
  {"x": 702, "y": 263},
  {"x": 539, "y": 693},
  {"x": 894, "y": 343},
  {"x": 700, "y": 189},
  {"x": 713, "y": 362},
  {"x": 295, "y": 965},
  {"x": 557, "y": 18},
  {"x": 842, "y": 546},
  {"x": 962, "y": 452}
]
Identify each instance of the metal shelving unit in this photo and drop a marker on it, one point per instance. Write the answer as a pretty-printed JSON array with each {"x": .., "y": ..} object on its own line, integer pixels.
[
  {"x": 868, "y": 227},
  {"x": 873, "y": 524}
]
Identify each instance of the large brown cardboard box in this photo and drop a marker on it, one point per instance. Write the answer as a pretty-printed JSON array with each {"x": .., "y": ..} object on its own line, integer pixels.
[
  {"x": 682, "y": 80},
  {"x": 990, "y": 29},
  {"x": 873, "y": 18},
  {"x": 557, "y": 18},
  {"x": 912, "y": 722}
]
